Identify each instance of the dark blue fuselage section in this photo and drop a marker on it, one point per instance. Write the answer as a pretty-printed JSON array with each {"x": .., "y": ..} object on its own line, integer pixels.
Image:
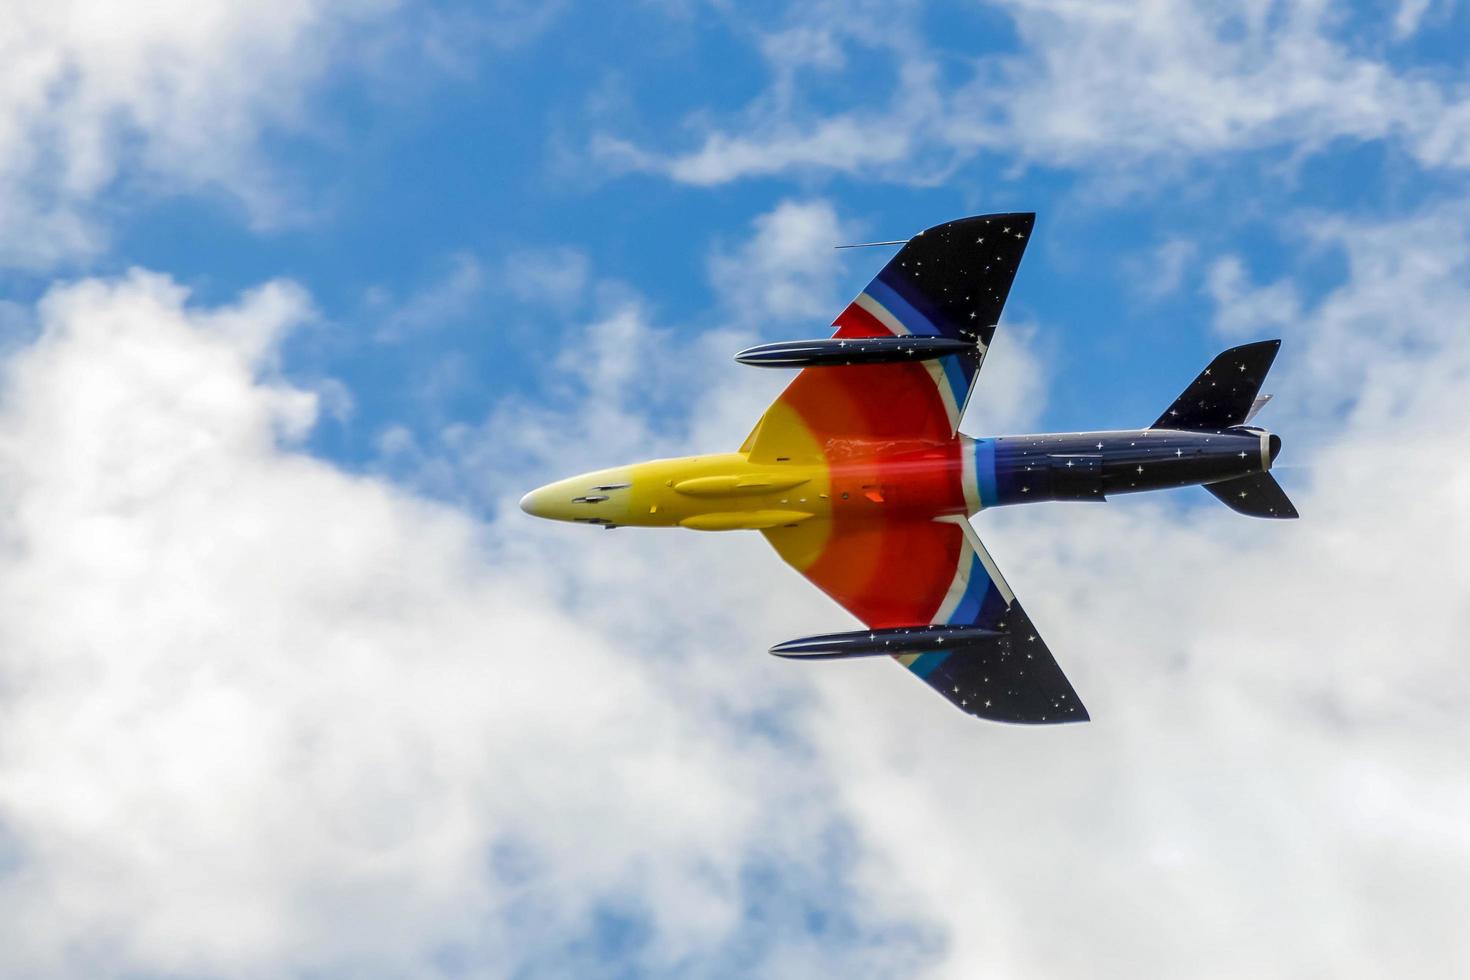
[{"x": 1097, "y": 465}]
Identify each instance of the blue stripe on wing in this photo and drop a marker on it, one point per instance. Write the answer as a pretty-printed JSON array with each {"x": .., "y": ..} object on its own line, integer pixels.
[
  {"x": 903, "y": 311},
  {"x": 1013, "y": 678},
  {"x": 952, "y": 280},
  {"x": 959, "y": 370}
]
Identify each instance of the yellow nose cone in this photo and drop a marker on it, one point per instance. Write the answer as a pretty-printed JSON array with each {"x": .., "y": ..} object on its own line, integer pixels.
[
  {"x": 593, "y": 498},
  {"x": 537, "y": 503}
]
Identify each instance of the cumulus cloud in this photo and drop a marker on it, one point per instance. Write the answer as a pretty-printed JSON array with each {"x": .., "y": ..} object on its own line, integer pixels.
[
  {"x": 447, "y": 298},
  {"x": 557, "y": 277},
  {"x": 168, "y": 95},
  {"x": 1275, "y": 748},
  {"x": 1243, "y": 308},
  {"x": 787, "y": 268},
  {"x": 780, "y": 131},
  {"x": 1276, "y": 739},
  {"x": 1275, "y": 751},
  {"x": 263, "y": 717},
  {"x": 1163, "y": 271},
  {"x": 1014, "y": 393},
  {"x": 1107, "y": 85}
]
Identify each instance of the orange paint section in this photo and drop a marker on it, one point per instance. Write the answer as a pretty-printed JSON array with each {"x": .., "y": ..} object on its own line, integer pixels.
[
  {"x": 889, "y": 573},
  {"x": 893, "y": 466},
  {"x": 871, "y": 403}
]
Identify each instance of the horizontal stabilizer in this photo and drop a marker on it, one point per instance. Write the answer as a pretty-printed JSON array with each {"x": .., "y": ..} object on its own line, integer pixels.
[
  {"x": 1258, "y": 495},
  {"x": 1224, "y": 394}
]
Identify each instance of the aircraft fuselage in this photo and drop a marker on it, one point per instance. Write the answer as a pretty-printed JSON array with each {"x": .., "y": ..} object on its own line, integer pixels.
[{"x": 859, "y": 479}]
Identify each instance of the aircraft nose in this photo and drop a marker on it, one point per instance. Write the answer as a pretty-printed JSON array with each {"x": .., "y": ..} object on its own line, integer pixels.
[
  {"x": 538, "y": 503},
  {"x": 593, "y": 498}
]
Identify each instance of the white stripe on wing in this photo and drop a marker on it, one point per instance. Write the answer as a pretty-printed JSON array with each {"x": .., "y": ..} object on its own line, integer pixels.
[{"x": 947, "y": 394}]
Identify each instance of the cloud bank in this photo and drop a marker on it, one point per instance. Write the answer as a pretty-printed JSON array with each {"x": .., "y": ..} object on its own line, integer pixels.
[
  {"x": 166, "y": 97},
  {"x": 267, "y": 717},
  {"x": 1109, "y": 86},
  {"x": 263, "y": 717},
  {"x": 260, "y": 716}
]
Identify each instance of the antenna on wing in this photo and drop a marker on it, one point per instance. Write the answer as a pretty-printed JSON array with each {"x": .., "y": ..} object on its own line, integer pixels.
[{"x": 901, "y": 241}]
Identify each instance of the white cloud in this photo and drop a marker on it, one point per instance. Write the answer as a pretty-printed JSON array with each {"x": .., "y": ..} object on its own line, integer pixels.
[
  {"x": 171, "y": 96},
  {"x": 1408, "y": 17},
  {"x": 620, "y": 389},
  {"x": 1163, "y": 271},
  {"x": 842, "y": 143},
  {"x": 623, "y": 383},
  {"x": 557, "y": 277},
  {"x": 1241, "y": 307},
  {"x": 1011, "y": 394},
  {"x": 1276, "y": 751},
  {"x": 776, "y": 138},
  {"x": 1181, "y": 79},
  {"x": 447, "y": 298},
  {"x": 1104, "y": 85},
  {"x": 787, "y": 269},
  {"x": 263, "y": 717},
  {"x": 780, "y": 131}
]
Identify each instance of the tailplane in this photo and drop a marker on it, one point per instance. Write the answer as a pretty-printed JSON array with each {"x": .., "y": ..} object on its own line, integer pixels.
[
  {"x": 1224, "y": 394},
  {"x": 1227, "y": 394},
  {"x": 1257, "y": 495}
]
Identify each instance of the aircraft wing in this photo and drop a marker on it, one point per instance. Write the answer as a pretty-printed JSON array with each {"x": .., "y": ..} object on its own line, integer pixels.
[
  {"x": 949, "y": 281},
  {"x": 905, "y": 573}
]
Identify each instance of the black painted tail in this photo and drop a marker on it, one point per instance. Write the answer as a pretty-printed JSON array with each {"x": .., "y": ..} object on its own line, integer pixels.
[
  {"x": 1223, "y": 393},
  {"x": 1258, "y": 495}
]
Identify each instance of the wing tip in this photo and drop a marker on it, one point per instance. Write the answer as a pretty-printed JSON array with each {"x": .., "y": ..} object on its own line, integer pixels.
[
  {"x": 1024, "y": 220},
  {"x": 1073, "y": 717}
]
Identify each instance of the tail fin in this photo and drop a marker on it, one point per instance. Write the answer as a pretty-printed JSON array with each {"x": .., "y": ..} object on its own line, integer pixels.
[
  {"x": 1258, "y": 495},
  {"x": 1224, "y": 393}
]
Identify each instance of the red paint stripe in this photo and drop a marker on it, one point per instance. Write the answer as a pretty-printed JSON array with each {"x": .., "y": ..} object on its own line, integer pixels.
[
  {"x": 886, "y": 428},
  {"x": 876, "y": 402},
  {"x": 889, "y": 574},
  {"x": 858, "y": 322}
]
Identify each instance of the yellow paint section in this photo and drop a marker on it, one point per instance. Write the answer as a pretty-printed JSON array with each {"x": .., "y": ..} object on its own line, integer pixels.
[
  {"x": 725, "y": 492},
  {"x": 748, "y": 520},
  {"x": 721, "y": 492},
  {"x": 736, "y": 491},
  {"x": 802, "y": 545},
  {"x": 782, "y": 436},
  {"x": 734, "y": 484}
]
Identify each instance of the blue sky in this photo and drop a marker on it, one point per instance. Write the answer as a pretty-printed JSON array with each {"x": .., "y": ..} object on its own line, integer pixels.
[
  {"x": 299, "y": 298},
  {"x": 408, "y": 168}
]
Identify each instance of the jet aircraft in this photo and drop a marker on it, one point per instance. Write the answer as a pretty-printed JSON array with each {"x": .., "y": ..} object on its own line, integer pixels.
[{"x": 859, "y": 478}]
